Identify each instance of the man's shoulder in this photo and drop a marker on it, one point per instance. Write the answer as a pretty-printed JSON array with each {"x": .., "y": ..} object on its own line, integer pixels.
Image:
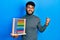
[
  {"x": 24, "y": 16},
  {"x": 36, "y": 17}
]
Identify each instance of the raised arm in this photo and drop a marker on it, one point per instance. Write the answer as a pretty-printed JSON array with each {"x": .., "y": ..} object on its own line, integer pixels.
[{"x": 42, "y": 28}]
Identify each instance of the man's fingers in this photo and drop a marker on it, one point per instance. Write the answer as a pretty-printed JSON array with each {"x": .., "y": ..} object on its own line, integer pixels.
[{"x": 14, "y": 35}]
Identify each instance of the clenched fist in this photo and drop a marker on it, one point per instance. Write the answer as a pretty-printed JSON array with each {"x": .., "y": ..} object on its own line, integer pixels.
[{"x": 47, "y": 21}]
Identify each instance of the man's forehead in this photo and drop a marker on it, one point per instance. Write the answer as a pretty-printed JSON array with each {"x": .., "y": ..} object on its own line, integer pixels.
[{"x": 30, "y": 5}]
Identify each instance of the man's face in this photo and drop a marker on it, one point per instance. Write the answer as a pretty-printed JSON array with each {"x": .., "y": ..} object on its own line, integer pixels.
[{"x": 30, "y": 9}]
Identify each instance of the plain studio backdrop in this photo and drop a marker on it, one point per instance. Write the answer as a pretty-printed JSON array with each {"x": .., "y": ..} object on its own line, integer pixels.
[{"x": 16, "y": 9}]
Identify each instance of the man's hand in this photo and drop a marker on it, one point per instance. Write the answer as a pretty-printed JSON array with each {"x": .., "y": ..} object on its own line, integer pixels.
[
  {"x": 47, "y": 21},
  {"x": 14, "y": 35}
]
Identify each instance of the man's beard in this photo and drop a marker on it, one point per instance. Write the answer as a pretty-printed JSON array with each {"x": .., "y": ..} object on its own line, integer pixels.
[{"x": 29, "y": 14}]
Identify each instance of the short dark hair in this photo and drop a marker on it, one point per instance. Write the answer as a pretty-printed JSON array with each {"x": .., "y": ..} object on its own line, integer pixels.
[{"x": 30, "y": 3}]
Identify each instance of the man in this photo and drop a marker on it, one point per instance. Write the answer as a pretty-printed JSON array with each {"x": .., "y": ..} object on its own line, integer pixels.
[{"x": 32, "y": 23}]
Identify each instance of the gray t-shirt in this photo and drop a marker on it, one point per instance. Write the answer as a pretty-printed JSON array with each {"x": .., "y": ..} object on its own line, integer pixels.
[{"x": 32, "y": 24}]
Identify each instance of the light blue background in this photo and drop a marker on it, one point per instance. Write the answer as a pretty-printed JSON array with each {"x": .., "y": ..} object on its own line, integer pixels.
[{"x": 44, "y": 8}]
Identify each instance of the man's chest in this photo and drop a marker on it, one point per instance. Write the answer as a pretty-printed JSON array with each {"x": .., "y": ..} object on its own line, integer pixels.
[{"x": 31, "y": 22}]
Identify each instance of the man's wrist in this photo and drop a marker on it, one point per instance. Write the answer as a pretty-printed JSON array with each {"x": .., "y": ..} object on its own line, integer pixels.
[{"x": 46, "y": 24}]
